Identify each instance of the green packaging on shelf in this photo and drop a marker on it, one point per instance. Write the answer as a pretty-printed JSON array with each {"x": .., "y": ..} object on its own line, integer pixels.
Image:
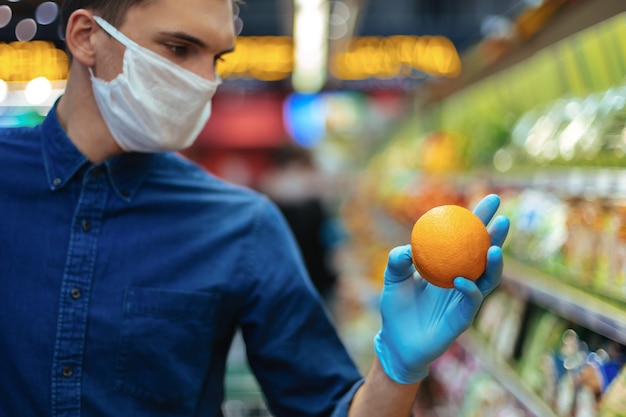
[
  {"x": 614, "y": 402},
  {"x": 499, "y": 321},
  {"x": 544, "y": 334}
]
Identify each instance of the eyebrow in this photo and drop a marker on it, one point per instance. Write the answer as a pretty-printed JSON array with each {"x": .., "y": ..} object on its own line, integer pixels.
[{"x": 185, "y": 37}]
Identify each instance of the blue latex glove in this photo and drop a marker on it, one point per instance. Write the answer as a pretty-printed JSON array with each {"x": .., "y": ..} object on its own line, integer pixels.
[{"x": 419, "y": 320}]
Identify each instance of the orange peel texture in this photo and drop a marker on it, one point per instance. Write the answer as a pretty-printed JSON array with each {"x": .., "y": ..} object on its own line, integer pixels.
[{"x": 447, "y": 242}]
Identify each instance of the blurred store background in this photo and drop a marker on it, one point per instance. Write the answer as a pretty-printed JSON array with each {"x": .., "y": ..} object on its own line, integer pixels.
[{"x": 363, "y": 114}]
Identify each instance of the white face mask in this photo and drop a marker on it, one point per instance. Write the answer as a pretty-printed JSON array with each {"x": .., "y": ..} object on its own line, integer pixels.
[{"x": 154, "y": 105}]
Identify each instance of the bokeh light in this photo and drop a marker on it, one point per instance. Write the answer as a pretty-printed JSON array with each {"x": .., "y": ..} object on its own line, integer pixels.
[
  {"x": 26, "y": 30},
  {"x": 339, "y": 17},
  {"x": 5, "y": 15},
  {"x": 238, "y": 26},
  {"x": 46, "y": 13},
  {"x": 38, "y": 91},
  {"x": 4, "y": 91}
]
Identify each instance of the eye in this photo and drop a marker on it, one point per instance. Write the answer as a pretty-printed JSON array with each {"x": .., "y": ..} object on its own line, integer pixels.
[
  {"x": 219, "y": 58},
  {"x": 177, "y": 49}
]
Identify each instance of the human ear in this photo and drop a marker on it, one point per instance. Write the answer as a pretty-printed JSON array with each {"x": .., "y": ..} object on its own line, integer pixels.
[{"x": 79, "y": 39}]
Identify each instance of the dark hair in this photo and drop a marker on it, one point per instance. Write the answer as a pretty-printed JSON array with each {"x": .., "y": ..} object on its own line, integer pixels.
[{"x": 113, "y": 11}]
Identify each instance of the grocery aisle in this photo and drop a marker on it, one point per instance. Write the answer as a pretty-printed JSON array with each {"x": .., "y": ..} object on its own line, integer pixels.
[
  {"x": 539, "y": 119},
  {"x": 547, "y": 134}
]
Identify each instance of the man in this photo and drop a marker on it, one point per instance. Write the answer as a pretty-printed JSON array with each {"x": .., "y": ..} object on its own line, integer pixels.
[{"x": 125, "y": 270}]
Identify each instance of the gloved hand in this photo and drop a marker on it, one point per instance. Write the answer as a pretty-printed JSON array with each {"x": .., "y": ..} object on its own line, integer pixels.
[{"x": 419, "y": 320}]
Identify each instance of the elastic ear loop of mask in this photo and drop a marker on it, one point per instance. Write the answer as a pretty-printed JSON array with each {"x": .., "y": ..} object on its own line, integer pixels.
[{"x": 128, "y": 43}]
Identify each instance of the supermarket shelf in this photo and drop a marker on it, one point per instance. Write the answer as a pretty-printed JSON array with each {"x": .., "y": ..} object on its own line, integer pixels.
[
  {"x": 499, "y": 369},
  {"x": 603, "y": 316}
]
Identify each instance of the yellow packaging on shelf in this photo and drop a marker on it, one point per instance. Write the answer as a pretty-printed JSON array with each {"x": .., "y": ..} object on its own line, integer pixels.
[
  {"x": 616, "y": 284},
  {"x": 614, "y": 402}
]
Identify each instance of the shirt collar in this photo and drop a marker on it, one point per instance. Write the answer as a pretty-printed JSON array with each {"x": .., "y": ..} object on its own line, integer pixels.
[
  {"x": 63, "y": 161},
  {"x": 128, "y": 171}
]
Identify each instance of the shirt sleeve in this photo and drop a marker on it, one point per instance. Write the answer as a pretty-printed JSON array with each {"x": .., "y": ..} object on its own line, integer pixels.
[
  {"x": 342, "y": 408},
  {"x": 292, "y": 345}
]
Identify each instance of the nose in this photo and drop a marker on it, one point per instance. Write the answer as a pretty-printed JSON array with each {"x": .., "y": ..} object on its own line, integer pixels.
[
  {"x": 210, "y": 74},
  {"x": 207, "y": 69}
]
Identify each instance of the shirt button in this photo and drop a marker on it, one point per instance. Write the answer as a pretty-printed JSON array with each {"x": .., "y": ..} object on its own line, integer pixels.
[
  {"x": 86, "y": 225},
  {"x": 56, "y": 182},
  {"x": 97, "y": 171},
  {"x": 67, "y": 372},
  {"x": 75, "y": 293}
]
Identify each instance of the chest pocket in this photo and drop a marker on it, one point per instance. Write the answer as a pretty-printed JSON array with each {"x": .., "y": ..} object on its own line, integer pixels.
[{"x": 165, "y": 345}]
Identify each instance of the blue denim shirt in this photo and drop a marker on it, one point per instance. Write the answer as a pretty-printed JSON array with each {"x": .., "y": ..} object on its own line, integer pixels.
[{"x": 122, "y": 284}]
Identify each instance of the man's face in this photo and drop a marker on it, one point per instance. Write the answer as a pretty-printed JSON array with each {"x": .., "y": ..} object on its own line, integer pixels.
[{"x": 193, "y": 34}]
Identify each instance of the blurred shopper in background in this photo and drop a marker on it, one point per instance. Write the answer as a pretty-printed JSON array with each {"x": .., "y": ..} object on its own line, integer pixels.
[
  {"x": 296, "y": 185},
  {"x": 125, "y": 270}
]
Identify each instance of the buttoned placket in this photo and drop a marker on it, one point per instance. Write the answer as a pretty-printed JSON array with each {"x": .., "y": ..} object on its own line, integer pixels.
[{"x": 67, "y": 366}]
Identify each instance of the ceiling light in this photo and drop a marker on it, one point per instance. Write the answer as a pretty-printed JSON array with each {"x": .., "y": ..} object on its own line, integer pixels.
[{"x": 310, "y": 45}]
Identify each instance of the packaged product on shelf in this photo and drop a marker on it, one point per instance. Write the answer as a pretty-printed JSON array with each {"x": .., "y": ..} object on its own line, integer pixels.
[
  {"x": 422, "y": 193},
  {"x": 579, "y": 250},
  {"x": 454, "y": 370},
  {"x": 585, "y": 403},
  {"x": 606, "y": 247},
  {"x": 615, "y": 283},
  {"x": 490, "y": 315},
  {"x": 500, "y": 320},
  {"x": 508, "y": 336},
  {"x": 568, "y": 362},
  {"x": 599, "y": 372},
  {"x": 612, "y": 111},
  {"x": 614, "y": 402},
  {"x": 485, "y": 397},
  {"x": 538, "y": 230},
  {"x": 439, "y": 152},
  {"x": 580, "y": 377},
  {"x": 536, "y": 367},
  {"x": 572, "y": 131}
]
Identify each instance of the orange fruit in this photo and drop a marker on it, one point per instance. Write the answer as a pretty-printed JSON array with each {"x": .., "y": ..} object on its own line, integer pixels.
[{"x": 449, "y": 241}]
